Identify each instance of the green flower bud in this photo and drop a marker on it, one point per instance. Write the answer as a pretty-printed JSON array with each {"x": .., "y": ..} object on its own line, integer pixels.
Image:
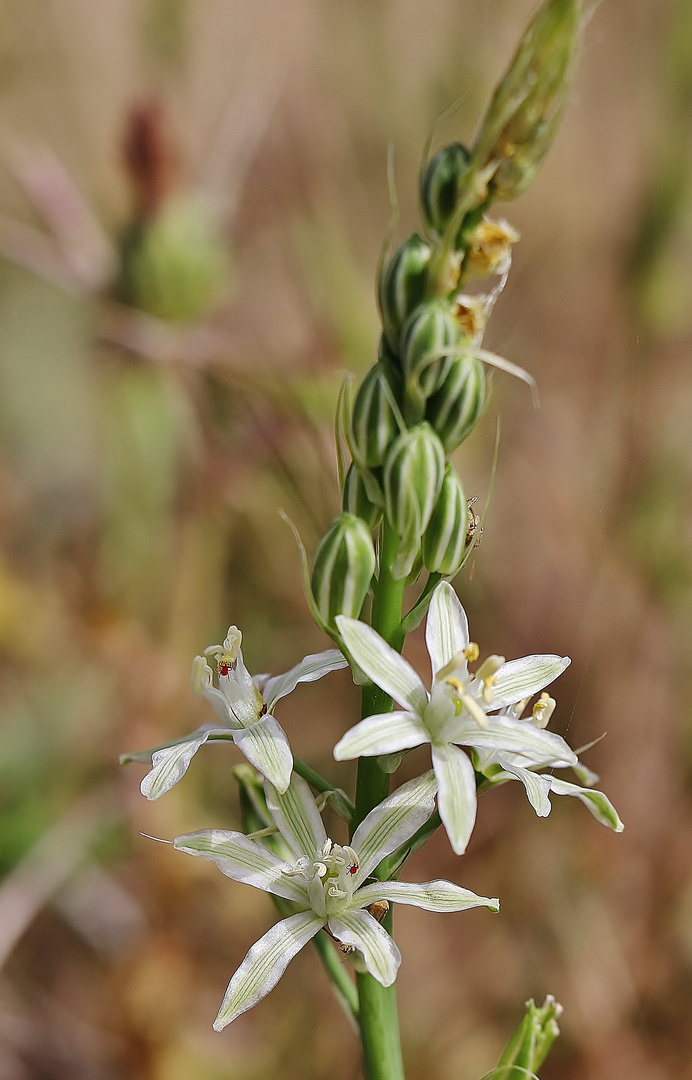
[
  {"x": 430, "y": 330},
  {"x": 444, "y": 542},
  {"x": 343, "y": 568},
  {"x": 356, "y": 499},
  {"x": 175, "y": 266},
  {"x": 413, "y": 476},
  {"x": 457, "y": 407},
  {"x": 402, "y": 286},
  {"x": 376, "y": 421},
  {"x": 527, "y": 1048},
  {"x": 440, "y": 185},
  {"x": 528, "y": 104}
]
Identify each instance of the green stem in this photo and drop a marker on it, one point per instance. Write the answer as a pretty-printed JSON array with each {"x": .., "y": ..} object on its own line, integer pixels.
[
  {"x": 379, "y": 1021},
  {"x": 340, "y": 801}
]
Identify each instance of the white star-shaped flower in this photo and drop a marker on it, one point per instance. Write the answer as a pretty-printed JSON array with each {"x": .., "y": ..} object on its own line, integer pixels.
[
  {"x": 329, "y": 882},
  {"x": 245, "y": 707},
  {"x": 461, "y": 710}
]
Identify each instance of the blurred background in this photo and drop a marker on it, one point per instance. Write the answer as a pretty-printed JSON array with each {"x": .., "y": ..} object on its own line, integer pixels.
[{"x": 192, "y": 203}]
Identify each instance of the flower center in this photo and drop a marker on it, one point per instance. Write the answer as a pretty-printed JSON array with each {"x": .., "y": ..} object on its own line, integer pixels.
[{"x": 329, "y": 877}]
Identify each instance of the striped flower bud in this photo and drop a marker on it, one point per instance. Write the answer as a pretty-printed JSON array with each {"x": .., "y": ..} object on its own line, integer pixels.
[
  {"x": 445, "y": 537},
  {"x": 343, "y": 568},
  {"x": 402, "y": 286},
  {"x": 412, "y": 478},
  {"x": 375, "y": 423},
  {"x": 457, "y": 407},
  {"x": 431, "y": 330},
  {"x": 441, "y": 184},
  {"x": 356, "y": 499}
]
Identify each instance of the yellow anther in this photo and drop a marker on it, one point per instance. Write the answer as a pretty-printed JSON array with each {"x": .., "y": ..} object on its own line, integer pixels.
[
  {"x": 456, "y": 684},
  {"x": 543, "y": 710},
  {"x": 471, "y": 652}
]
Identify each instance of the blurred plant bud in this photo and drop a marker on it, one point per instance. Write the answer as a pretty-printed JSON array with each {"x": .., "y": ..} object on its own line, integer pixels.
[
  {"x": 402, "y": 286},
  {"x": 376, "y": 421},
  {"x": 343, "y": 569},
  {"x": 527, "y": 1049},
  {"x": 489, "y": 249},
  {"x": 356, "y": 499},
  {"x": 458, "y": 405},
  {"x": 444, "y": 541},
  {"x": 440, "y": 186},
  {"x": 412, "y": 479},
  {"x": 429, "y": 332},
  {"x": 175, "y": 265},
  {"x": 528, "y": 104}
]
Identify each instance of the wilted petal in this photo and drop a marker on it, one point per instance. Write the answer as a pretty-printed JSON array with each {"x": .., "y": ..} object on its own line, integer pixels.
[
  {"x": 393, "y": 822},
  {"x": 383, "y": 664},
  {"x": 384, "y": 733},
  {"x": 537, "y": 786},
  {"x": 308, "y": 670},
  {"x": 517, "y": 737},
  {"x": 457, "y": 795},
  {"x": 297, "y": 817},
  {"x": 433, "y": 895},
  {"x": 519, "y": 679},
  {"x": 265, "y": 745},
  {"x": 447, "y": 628},
  {"x": 265, "y": 963},
  {"x": 595, "y": 801},
  {"x": 243, "y": 860},
  {"x": 170, "y": 762},
  {"x": 381, "y": 956}
]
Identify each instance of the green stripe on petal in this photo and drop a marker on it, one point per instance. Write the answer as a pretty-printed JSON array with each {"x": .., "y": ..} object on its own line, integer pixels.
[
  {"x": 519, "y": 679},
  {"x": 243, "y": 860},
  {"x": 537, "y": 786},
  {"x": 384, "y": 733},
  {"x": 297, "y": 817},
  {"x": 309, "y": 669},
  {"x": 383, "y": 664},
  {"x": 595, "y": 801},
  {"x": 517, "y": 737},
  {"x": 265, "y": 745},
  {"x": 393, "y": 822},
  {"x": 433, "y": 895},
  {"x": 457, "y": 795},
  {"x": 380, "y": 953},
  {"x": 447, "y": 628},
  {"x": 265, "y": 963}
]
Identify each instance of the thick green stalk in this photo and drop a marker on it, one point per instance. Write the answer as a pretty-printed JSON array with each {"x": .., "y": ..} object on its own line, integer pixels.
[{"x": 379, "y": 1021}]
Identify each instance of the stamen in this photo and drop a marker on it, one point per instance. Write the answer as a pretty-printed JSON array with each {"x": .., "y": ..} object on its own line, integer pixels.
[
  {"x": 471, "y": 652},
  {"x": 475, "y": 710},
  {"x": 543, "y": 710}
]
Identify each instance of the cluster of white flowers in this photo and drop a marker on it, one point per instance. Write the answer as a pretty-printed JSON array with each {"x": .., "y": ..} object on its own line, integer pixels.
[{"x": 476, "y": 731}]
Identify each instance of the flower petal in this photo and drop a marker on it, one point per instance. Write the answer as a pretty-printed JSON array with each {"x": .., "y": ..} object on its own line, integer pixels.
[
  {"x": 297, "y": 817},
  {"x": 537, "y": 786},
  {"x": 383, "y": 664},
  {"x": 393, "y": 822},
  {"x": 265, "y": 745},
  {"x": 518, "y": 679},
  {"x": 309, "y": 669},
  {"x": 380, "y": 953},
  {"x": 447, "y": 628},
  {"x": 595, "y": 801},
  {"x": 242, "y": 859},
  {"x": 265, "y": 963},
  {"x": 170, "y": 762},
  {"x": 538, "y": 746},
  {"x": 432, "y": 895},
  {"x": 384, "y": 733},
  {"x": 457, "y": 795}
]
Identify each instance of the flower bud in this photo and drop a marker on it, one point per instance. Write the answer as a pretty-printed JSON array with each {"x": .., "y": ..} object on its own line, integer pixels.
[
  {"x": 457, "y": 407},
  {"x": 440, "y": 185},
  {"x": 444, "y": 541},
  {"x": 343, "y": 568},
  {"x": 375, "y": 423},
  {"x": 527, "y": 1048},
  {"x": 430, "y": 330},
  {"x": 356, "y": 499},
  {"x": 412, "y": 478},
  {"x": 402, "y": 286},
  {"x": 527, "y": 106}
]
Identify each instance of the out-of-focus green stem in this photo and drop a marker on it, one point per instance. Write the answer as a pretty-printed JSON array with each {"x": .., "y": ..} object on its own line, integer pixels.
[{"x": 379, "y": 1021}]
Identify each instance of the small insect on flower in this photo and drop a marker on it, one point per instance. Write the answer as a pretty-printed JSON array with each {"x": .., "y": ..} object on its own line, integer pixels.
[
  {"x": 379, "y": 909},
  {"x": 474, "y": 531},
  {"x": 225, "y": 665}
]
